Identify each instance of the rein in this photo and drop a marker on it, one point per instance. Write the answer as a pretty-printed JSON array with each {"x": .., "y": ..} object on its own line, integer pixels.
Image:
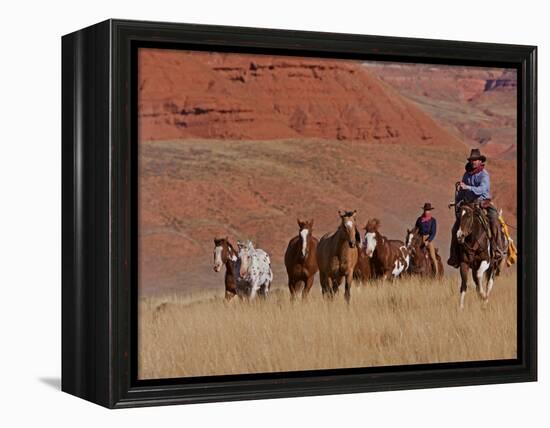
[{"x": 473, "y": 248}]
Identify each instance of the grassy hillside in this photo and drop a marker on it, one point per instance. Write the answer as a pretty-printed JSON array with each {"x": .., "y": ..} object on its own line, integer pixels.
[{"x": 409, "y": 322}]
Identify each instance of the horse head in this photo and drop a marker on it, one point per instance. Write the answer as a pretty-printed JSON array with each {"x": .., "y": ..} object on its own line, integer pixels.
[
  {"x": 412, "y": 239},
  {"x": 466, "y": 221},
  {"x": 223, "y": 252},
  {"x": 349, "y": 226},
  {"x": 246, "y": 249},
  {"x": 409, "y": 236},
  {"x": 371, "y": 235},
  {"x": 305, "y": 229}
]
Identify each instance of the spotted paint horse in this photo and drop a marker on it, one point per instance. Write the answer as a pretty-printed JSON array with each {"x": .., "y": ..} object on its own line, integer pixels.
[
  {"x": 389, "y": 256},
  {"x": 255, "y": 268}
]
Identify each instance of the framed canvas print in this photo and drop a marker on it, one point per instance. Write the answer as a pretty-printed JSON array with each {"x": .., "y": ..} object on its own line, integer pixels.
[{"x": 253, "y": 213}]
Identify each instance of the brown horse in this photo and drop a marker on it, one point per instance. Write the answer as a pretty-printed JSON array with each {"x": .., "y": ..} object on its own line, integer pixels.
[
  {"x": 474, "y": 251},
  {"x": 420, "y": 260},
  {"x": 364, "y": 269},
  {"x": 225, "y": 254},
  {"x": 389, "y": 256},
  {"x": 337, "y": 255},
  {"x": 301, "y": 259}
]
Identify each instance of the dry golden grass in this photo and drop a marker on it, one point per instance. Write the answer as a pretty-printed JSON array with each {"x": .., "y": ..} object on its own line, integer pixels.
[{"x": 409, "y": 322}]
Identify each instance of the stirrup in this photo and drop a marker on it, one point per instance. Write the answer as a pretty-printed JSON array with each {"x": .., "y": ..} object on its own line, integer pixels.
[{"x": 454, "y": 263}]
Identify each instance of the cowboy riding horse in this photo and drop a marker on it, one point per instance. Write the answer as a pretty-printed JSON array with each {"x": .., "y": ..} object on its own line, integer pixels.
[{"x": 475, "y": 188}]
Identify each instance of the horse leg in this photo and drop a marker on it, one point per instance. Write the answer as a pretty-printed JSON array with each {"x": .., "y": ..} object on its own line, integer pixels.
[
  {"x": 336, "y": 282},
  {"x": 254, "y": 289},
  {"x": 347, "y": 293},
  {"x": 291, "y": 288},
  {"x": 440, "y": 271},
  {"x": 230, "y": 287},
  {"x": 480, "y": 279},
  {"x": 475, "y": 279},
  {"x": 463, "y": 282},
  {"x": 307, "y": 287},
  {"x": 263, "y": 291},
  {"x": 501, "y": 265},
  {"x": 490, "y": 281},
  {"x": 325, "y": 284}
]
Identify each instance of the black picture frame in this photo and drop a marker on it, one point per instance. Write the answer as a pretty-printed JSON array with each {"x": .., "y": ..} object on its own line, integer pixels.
[{"x": 99, "y": 213}]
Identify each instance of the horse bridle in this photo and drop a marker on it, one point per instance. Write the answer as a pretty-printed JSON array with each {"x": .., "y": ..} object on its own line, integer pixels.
[
  {"x": 475, "y": 246},
  {"x": 358, "y": 243}
]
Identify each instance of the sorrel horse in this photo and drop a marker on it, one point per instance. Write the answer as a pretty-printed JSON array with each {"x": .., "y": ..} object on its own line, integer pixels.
[
  {"x": 420, "y": 260},
  {"x": 225, "y": 254},
  {"x": 301, "y": 259},
  {"x": 389, "y": 256},
  {"x": 337, "y": 255},
  {"x": 474, "y": 252}
]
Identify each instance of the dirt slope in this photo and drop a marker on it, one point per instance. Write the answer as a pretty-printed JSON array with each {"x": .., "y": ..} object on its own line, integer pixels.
[
  {"x": 477, "y": 105},
  {"x": 200, "y": 95}
]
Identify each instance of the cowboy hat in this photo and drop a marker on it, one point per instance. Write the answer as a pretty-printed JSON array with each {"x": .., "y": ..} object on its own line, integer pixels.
[
  {"x": 427, "y": 207},
  {"x": 476, "y": 154}
]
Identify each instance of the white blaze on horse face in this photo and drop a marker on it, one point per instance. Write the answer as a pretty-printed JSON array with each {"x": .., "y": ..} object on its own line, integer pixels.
[
  {"x": 409, "y": 239},
  {"x": 218, "y": 258},
  {"x": 350, "y": 226},
  {"x": 303, "y": 234},
  {"x": 370, "y": 238},
  {"x": 459, "y": 232}
]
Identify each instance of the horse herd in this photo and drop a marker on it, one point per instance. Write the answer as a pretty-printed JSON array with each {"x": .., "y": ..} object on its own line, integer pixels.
[{"x": 339, "y": 257}]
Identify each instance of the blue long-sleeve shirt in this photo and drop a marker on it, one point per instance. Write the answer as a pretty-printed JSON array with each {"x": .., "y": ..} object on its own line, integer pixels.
[
  {"x": 428, "y": 227},
  {"x": 479, "y": 187}
]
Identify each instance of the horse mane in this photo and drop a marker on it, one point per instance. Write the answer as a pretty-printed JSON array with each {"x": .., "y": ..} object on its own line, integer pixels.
[
  {"x": 231, "y": 247},
  {"x": 372, "y": 224},
  {"x": 470, "y": 205},
  {"x": 246, "y": 244},
  {"x": 218, "y": 240}
]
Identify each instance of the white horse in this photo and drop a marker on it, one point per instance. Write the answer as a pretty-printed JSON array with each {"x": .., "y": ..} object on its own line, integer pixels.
[{"x": 255, "y": 268}]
